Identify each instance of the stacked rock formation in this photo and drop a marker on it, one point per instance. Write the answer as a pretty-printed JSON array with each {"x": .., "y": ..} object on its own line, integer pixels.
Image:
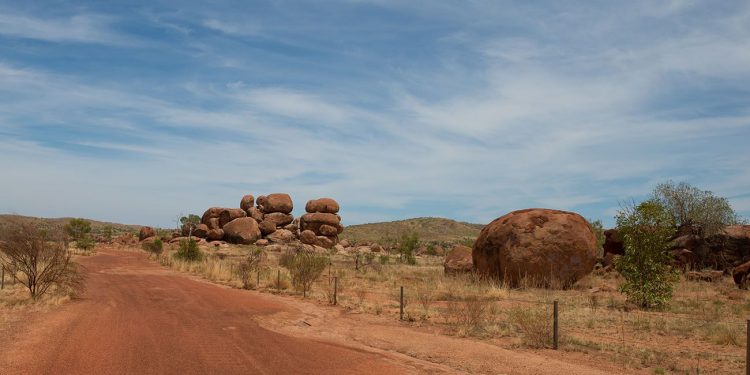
[
  {"x": 268, "y": 219},
  {"x": 321, "y": 225}
]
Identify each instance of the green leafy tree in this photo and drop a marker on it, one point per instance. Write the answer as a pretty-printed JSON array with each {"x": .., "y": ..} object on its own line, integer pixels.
[
  {"x": 691, "y": 208},
  {"x": 78, "y": 228},
  {"x": 646, "y": 229},
  {"x": 190, "y": 221},
  {"x": 406, "y": 248}
]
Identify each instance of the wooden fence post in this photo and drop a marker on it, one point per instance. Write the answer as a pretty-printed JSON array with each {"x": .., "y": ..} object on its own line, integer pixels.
[
  {"x": 747, "y": 350},
  {"x": 335, "y": 289},
  {"x": 401, "y": 307},
  {"x": 2, "y": 278},
  {"x": 554, "y": 327}
]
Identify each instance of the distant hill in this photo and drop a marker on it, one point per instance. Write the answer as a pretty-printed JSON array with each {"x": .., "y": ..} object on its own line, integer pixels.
[
  {"x": 96, "y": 226},
  {"x": 429, "y": 229}
]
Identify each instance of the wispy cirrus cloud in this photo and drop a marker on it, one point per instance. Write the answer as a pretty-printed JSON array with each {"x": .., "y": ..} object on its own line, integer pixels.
[{"x": 395, "y": 109}]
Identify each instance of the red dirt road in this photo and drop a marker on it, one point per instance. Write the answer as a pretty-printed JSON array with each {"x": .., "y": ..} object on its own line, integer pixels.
[{"x": 138, "y": 318}]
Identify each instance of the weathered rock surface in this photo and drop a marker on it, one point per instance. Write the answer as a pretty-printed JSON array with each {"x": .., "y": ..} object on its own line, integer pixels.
[
  {"x": 242, "y": 230},
  {"x": 201, "y": 230},
  {"x": 262, "y": 242},
  {"x": 277, "y": 202},
  {"x": 324, "y": 205},
  {"x": 146, "y": 232},
  {"x": 215, "y": 234},
  {"x": 325, "y": 242},
  {"x": 267, "y": 227},
  {"x": 281, "y": 236},
  {"x": 280, "y": 219},
  {"x": 255, "y": 213},
  {"x": 246, "y": 202},
  {"x": 458, "y": 260},
  {"x": 229, "y": 214},
  {"x": 327, "y": 230},
  {"x": 211, "y": 213},
  {"x": 545, "y": 247},
  {"x": 307, "y": 237}
]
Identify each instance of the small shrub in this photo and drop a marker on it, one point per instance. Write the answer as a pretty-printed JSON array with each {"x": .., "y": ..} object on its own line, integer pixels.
[
  {"x": 86, "y": 243},
  {"x": 384, "y": 259},
  {"x": 249, "y": 266},
  {"x": 156, "y": 247},
  {"x": 472, "y": 313},
  {"x": 425, "y": 296},
  {"x": 534, "y": 324},
  {"x": 188, "y": 251},
  {"x": 304, "y": 268}
]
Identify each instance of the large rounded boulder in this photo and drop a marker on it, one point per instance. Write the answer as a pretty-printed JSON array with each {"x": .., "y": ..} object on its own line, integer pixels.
[
  {"x": 458, "y": 261},
  {"x": 277, "y": 202},
  {"x": 537, "y": 246},
  {"x": 243, "y": 231},
  {"x": 325, "y": 205}
]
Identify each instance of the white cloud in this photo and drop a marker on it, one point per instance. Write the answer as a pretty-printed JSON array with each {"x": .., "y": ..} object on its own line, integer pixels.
[{"x": 82, "y": 28}]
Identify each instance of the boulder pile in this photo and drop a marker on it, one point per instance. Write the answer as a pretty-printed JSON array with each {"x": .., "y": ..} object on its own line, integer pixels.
[
  {"x": 268, "y": 220},
  {"x": 321, "y": 225}
]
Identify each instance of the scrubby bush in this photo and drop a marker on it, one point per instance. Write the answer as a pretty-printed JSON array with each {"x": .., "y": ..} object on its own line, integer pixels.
[
  {"x": 108, "y": 233},
  {"x": 86, "y": 243},
  {"x": 156, "y": 247},
  {"x": 406, "y": 248},
  {"x": 77, "y": 229},
  {"x": 188, "y": 251},
  {"x": 534, "y": 324},
  {"x": 250, "y": 265},
  {"x": 41, "y": 256},
  {"x": 304, "y": 267},
  {"x": 598, "y": 228},
  {"x": 649, "y": 277}
]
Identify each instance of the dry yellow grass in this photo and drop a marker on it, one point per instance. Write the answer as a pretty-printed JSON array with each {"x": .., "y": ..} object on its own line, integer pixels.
[{"x": 703, "y": 326}]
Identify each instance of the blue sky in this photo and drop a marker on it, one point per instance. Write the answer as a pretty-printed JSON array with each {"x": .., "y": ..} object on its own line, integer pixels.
[{"x": 137, "y": 112}]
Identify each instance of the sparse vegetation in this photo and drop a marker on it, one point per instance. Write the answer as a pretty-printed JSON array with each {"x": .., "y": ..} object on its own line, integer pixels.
[
  {"x": 154, "y": 247},
  {"x": 693, "y": 208},
  {"x": 649, "y": 278},
  {"x": 188, "y": 251},
  {"x": 407, "y": 245},
  {"x": 41, "y": 257},
  {"x": 304, "y": 267},
  {"x": 78, "y": 229},
  {"x": 251, "y": 264}
]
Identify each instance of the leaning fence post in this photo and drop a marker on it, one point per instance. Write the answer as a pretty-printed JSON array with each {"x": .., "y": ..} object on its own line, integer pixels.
[
  {"x": 401, "y": 304},
  {"x": 554, "y": 326},
  {"x": 2, "y": 278},
  {"x": 335, "y": 289}
]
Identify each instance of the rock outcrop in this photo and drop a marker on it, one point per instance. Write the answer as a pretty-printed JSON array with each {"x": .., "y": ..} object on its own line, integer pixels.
[
  {"x": 540, "y": 246},
  {"x": 322, "y": 219},
  {"x": 146, "y": 232},
  {"x": 458, "y": 260},
  {"x": 242, "y": 230}
]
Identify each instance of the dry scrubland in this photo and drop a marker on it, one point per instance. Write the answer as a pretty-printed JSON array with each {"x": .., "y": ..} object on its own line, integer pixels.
[{"x": 701, "y": 331}]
